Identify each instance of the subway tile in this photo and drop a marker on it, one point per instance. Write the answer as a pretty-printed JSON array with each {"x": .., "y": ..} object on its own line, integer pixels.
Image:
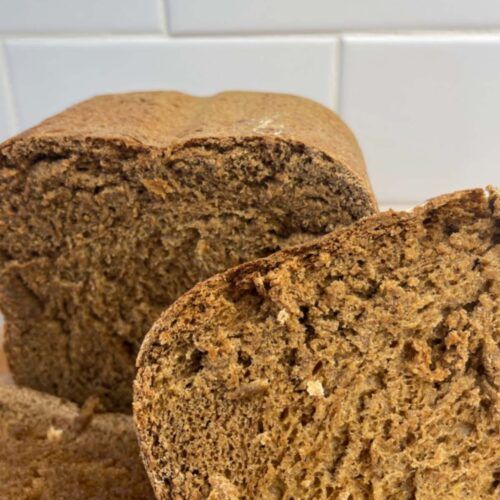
[
  {"x": 426, "y": 111},
  {"x": 5, "y": 125},
  {"x": 49, "y": 16},
  {"x": 297, "y": 16},
  {"x": 49, "y": 75}
]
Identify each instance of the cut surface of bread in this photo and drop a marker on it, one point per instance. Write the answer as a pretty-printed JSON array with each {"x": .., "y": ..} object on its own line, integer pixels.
[
  {"x": 51, "y": 450},
  {"x": 112, "y": 209},
  {"x": 362, "y": 365}
]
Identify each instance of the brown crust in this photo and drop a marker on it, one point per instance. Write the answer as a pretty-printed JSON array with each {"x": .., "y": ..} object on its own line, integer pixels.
[{"x": 166, "y": 120}]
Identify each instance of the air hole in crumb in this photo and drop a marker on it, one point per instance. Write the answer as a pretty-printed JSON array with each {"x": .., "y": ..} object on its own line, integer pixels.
[
  {"x": 317, "y": 367},
  {"x": 260, "y": 427},
  {"x": 291, "y": 357},
  {"x": 307, "y": 416},
  {"x": 130, "y": 347},
  {"x": 428, "y": 221},
  {"x": 471, "y": 306},
  {"x": 387, "y": 428},
  {"x": 496, "y": 479},
  {"x": 305, "y": 314},
  {"x": 449, "y": 229},
  {"x": 393, "y": 344},
  {"x": 409, "y": 351},
  {"x": 410, "y": 438},
  {"x": 244, "y": 359},
  {"x": 485, "y": 403},
  {"x": 196, "y": 360},
  {"x": 364, "y": 456},
  {"x": 310, "y": 333},
  {"x": 284, "y": 414}
]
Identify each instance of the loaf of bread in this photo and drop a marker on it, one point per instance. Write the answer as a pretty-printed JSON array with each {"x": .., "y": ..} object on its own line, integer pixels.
[
  {"x": 112, "y": 209},
  {"x": 50, "y": 450},
  {"x": 363, "y": 365}
]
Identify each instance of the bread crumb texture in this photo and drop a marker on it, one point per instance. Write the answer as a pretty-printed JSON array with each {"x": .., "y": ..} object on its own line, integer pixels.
[
  {"x": 383, "y": 382},
  {"x": 112, "y": 209},
  {"x": 46, "y": 454}
]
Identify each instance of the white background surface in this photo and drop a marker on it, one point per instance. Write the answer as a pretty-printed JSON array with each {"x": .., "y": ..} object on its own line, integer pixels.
[{"x": 418, "y": 82}]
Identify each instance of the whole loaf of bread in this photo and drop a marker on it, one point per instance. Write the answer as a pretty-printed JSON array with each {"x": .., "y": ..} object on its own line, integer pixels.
[{"x": 112, "y": 209}]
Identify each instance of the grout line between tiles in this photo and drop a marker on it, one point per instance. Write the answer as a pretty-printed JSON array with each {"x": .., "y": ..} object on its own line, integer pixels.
[
  {"x": 340, "y": 75},
  {"x": 166, "y": 33},
  {"x": 163, "y": 13},
  {"x": 341, "y": 32},
  {"x": 56, "y": 35},
  {"x": 12, "y": 116},
  {"x": 335, "y": 77}
]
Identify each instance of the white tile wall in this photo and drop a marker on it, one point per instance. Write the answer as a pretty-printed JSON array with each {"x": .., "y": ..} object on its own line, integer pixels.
[
  {"x": 49, "y": 75},
  {"x": 188, "y": 17},
  {"x": 426, "y": 110},
  {"x": 80, "y": 16},
  {"x": 5, "y": 115},
  {"x": 424, "y": 104}
]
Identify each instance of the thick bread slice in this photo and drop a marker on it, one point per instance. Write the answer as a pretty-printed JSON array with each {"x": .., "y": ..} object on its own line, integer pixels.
[
  {"x": 363, "y": 365},
  {"x": 50, "y": 450},
  {"x": 112, "y": 209}
]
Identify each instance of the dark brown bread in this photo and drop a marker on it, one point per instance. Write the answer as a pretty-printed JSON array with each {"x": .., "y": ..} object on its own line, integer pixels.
[
  {"x": 363, "y": 365},
  {"x": 4, "y": 371},
  {"x": 50, "y": 450},
  {"x": 112, "y": 209}
]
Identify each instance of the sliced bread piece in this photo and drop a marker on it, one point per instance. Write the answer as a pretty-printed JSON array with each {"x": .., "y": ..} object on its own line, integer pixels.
[
  {"x": 51, "y": 450},
  {"x": 363, "y": 365},
  {"x": 112, "y": 209}
]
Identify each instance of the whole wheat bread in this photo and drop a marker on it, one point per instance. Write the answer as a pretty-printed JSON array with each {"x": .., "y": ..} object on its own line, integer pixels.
[
  {"x": 51, "y": 450},
  {"x": 112, "y": 209},
  {"x": 362, "y": 365}
]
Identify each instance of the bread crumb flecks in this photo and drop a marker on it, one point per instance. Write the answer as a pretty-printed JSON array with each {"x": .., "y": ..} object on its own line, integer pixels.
[
  {"x": 222, "y": 488},
  {"x": 283, "y": 316},
  {"x": 54, "y": 434},
  {"x": 264, "y": 438},
  {"x": 315, "y": 389},
  {"x": 413, "y": 281}
]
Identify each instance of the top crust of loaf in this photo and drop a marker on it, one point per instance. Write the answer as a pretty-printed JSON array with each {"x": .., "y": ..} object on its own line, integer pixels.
[{"x": 165, "y": 120}]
